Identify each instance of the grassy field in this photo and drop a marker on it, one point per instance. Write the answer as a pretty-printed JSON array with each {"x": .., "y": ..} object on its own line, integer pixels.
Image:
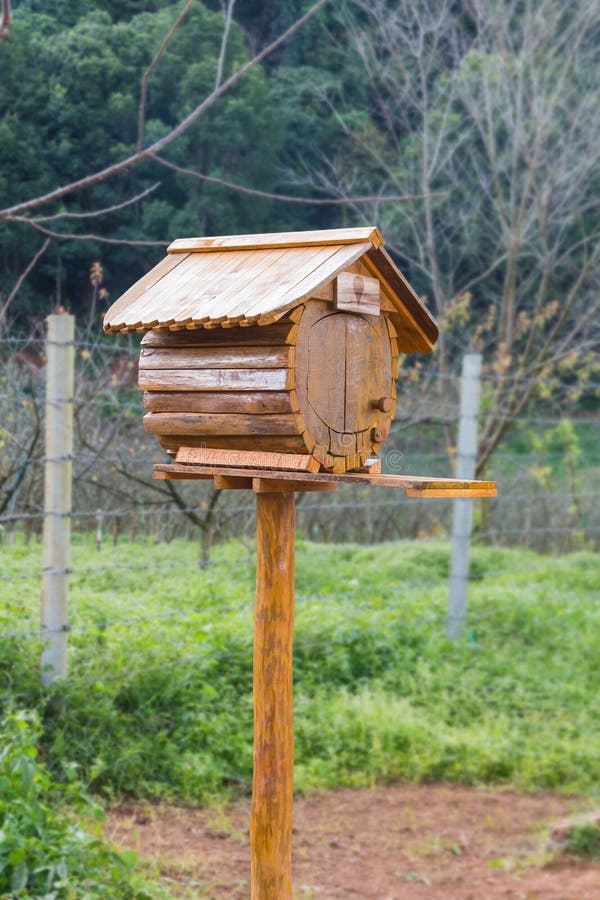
[{"x": 158, "y": 702}]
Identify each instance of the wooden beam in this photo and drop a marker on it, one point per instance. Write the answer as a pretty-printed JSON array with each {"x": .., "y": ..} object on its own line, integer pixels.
[
  {"x": 165, "y": 475},
  {"x": 285, "y": 239},
  {"x": 300, "y": 462},
  {"x": 272, "y": 785},
  {"x": 232, "y": 483},
  {"x": 277, "y": 486},
  {"x": 448, "y": 493},
  {"x": 426, "y": 486}
]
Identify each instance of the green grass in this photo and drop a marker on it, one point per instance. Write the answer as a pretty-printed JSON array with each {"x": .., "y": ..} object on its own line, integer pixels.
[{"x": 161, "y": 706}]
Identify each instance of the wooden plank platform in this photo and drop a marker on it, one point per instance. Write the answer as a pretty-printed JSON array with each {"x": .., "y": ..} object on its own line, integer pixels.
[{"x": 414, "y": 485}]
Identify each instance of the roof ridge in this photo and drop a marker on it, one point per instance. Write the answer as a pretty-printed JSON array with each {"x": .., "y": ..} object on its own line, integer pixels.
[{"x": 326, "y": 237}]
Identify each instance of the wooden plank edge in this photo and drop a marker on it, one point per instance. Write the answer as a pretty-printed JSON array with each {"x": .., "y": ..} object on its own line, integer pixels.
[
  {"x": 449, "y": 493},
  {"x": 421, "y": 483},
  {"x": 281, "y": 239},
  {"x": 251, "y": 459}
]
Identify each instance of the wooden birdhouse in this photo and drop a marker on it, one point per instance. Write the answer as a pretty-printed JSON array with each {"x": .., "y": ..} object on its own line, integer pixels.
[{"x": 278, "y": 342}]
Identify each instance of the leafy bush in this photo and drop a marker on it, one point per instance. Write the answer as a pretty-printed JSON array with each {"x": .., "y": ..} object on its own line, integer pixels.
[
  {"x": 584, "y": 840},
  {"x": 44, "y": 852}
]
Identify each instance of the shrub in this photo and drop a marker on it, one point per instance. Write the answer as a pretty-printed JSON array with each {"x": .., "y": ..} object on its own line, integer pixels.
[{"x": 45, "y": 854}]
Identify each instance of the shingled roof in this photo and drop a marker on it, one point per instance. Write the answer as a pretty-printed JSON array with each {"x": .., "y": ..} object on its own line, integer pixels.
[{"x": 258, "y": 278}]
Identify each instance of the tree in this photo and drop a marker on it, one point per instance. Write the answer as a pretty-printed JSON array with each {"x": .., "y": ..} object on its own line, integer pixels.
[
  {"x": 99, "y": 90},
  {"x": 491, "y": 112}
]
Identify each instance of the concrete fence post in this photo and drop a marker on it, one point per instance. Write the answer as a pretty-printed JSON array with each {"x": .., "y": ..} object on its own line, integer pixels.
[
  {"x": 466, "y": 460},
  {"x": 60, "y": 356}
]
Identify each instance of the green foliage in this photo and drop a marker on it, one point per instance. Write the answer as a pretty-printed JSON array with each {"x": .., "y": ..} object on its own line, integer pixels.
[
  {"x": 160, "y": 705},
  {"x": 69, "y": 99},
  {"x": 44, "y": 852},
  {"x": 584, "y": 840}
]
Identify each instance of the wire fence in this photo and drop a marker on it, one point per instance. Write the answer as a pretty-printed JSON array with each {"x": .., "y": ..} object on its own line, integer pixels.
[{"x": 547, "y": 468}]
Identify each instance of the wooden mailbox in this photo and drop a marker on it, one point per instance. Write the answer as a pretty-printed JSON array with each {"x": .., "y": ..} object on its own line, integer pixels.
[
  {"x": 269, "y": 365},
  {"x": 279, "y": 342}
]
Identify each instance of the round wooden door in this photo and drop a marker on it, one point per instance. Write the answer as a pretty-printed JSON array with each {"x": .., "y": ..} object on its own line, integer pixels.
[{"x": 344, "y": 375}]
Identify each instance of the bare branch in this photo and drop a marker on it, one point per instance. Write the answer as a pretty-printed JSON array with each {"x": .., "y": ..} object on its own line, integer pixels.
[
  {"x": 24, "y": 274},
  {"x": 98, "y": 212},
  {"x": 63, "y": 236},
  {"x": 181, "y": 128},
  {"x": 289, "y": 198},
  {"x": 146, "y": 76},
  {"x": 224, "y": 40}
]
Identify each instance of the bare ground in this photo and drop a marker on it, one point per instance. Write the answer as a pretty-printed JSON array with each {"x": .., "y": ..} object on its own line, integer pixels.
[{"x": 391, "y": 843}]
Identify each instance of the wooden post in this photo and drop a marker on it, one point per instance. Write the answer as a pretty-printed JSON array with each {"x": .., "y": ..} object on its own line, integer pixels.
[
  {"x": 272, "y": 789},
  {"x": 57, "y": 495},
  {"x": 466, "y": 460}
]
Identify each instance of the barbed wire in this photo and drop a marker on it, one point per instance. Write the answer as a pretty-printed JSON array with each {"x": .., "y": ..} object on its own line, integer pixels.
[
  {"x": 167, "y": 508},
  {"x": 302, "y": 598},
  {"x": 96, "y": 394},
  {"x": 124, "y": 567}
]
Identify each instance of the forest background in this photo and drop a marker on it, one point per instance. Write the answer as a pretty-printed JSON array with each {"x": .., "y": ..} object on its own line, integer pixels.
[{"x": 469, "y": 132}]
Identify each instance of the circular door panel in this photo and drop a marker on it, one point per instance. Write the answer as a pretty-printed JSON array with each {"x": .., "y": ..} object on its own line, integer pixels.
[{"x": 349, "y": 370}]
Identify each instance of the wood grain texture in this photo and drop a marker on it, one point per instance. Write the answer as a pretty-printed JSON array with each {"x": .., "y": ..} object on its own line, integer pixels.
[
  {"x": 245, "y": 402},
  {"x": 272, "y": 785},
  {"x": 303, "y": 285},
  {"x": 215, "y": 424},
  {"x": 424, "y": 483},
  {"x": 216, "y": 357},
  {"x": 439, "y": 493},
  {"x": 302, "y": 264},
  {"x": 357, "y": 293},
  {"x": 165, "y": 475},
  {"x": 283, "y": 443},
  {"x": 273, "y": 485},
  {"x": 252, "y": 336},
  {"x": 419, "y": 328},
  {"x": 260, "y": 278},
  {"x": 343, "y": 377},
  {"x": 231, "y": 483},
  {"x": 368, "y": 375},
  {"x": 327, "y": 369},
  {"x": 215, "y": 379},
  {"x": 246, "y": 458},
  {"x": 278, "y": 239},
  {"x": 117, "y": 314},
  {"x": 372, "y": 465}
]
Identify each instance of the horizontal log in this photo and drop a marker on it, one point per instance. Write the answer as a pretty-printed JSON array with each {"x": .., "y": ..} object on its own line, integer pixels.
[
  {"x": 215, "y": 379},
  {"x": 246, "y": 458},
  {"x": 216, "y": 358},
  {"x": 253, "y": 336},
  {"x": 250, "y": 402},
  {"x": 219, "y": 424},
  {"x": 278, "y": 443}
]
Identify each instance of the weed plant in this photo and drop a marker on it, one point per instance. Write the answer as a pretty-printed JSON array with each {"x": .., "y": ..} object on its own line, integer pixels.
[
  {"x": 158, "y": 701},
  {"x": 45, "y": 854}
]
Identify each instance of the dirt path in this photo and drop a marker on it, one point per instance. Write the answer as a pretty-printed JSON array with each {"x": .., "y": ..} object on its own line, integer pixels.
[{"x": 390, "y": 843}]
